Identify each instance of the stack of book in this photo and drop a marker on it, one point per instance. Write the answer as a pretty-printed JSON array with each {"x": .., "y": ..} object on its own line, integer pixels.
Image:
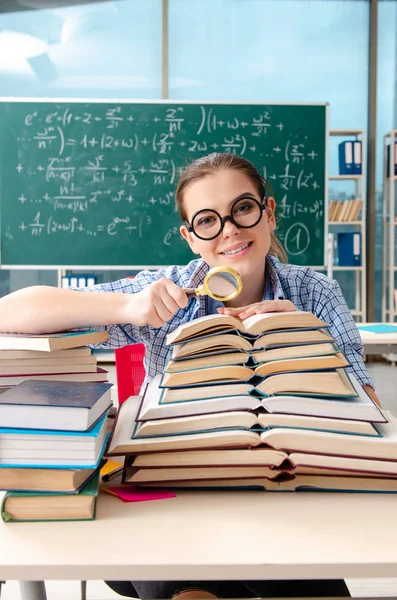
[
  {"x": 60, "y": 357},
  {"x": 267, "y": 402},
  {"x": 52, "y": 438},
  {"x": 346, "y": 211}
]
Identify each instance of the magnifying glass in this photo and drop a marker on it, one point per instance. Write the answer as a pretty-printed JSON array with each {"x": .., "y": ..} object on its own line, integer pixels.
[{"x": 221, "y": 283}]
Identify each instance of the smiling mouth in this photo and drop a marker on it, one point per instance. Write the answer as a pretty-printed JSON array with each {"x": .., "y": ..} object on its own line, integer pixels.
[{"x": 237, "y": 250}]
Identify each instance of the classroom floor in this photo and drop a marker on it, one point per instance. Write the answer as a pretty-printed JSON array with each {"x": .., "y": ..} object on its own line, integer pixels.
[{"x": 385, "y": 378}]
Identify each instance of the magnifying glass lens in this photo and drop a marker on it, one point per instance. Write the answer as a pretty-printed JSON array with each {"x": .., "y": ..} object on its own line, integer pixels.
[{"x": 222, "y": 284}]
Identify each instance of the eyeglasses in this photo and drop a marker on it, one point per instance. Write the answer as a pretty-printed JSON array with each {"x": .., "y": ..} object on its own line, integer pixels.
[{"x": 245, "y": 213}]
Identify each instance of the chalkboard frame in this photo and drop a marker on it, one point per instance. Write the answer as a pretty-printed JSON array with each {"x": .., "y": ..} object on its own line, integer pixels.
[{"x": 124, "y": 101}]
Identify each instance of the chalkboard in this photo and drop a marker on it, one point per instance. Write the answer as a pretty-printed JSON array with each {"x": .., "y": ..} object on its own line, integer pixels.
[{"x": 87, "y": 183}]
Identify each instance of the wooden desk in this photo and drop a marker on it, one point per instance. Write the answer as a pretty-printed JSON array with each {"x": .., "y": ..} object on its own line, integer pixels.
[{"x": 212, "y": 535}]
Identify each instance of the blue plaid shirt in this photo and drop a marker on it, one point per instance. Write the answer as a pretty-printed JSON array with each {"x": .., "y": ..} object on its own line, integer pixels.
[{"x": 307, "y": 289}]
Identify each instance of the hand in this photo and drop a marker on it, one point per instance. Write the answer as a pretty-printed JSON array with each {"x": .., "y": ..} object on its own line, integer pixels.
[
  {"x": 258, "y": 308},
  {"x": 156, "y": 304}
]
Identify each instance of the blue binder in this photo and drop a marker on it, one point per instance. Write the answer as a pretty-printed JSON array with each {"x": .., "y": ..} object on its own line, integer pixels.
[
  {"x": 350, "y": 158},
  {"x": 349, "y": 249},
  {"x": 357, "y": 158},
  {"x": 345, "y": 158},
  {"x": 388, "y": 159}
]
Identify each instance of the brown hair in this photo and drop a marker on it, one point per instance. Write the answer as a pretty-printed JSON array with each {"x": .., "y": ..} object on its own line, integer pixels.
[{"x": 210, "y": 164}]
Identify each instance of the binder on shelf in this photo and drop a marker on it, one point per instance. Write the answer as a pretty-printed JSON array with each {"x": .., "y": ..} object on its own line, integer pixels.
[
  {"x": 350, "y": 158},
  {"x": 349, "y": 249},
  {"x": 78, "y": 281},
  {"x": 357, "y": 158},
  {"x": 346, "y": 158},
  {"x": 388, "y": 159}
]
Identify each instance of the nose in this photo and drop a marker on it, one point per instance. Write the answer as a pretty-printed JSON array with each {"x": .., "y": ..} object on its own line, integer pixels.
[{"x": 229, "y": 228}]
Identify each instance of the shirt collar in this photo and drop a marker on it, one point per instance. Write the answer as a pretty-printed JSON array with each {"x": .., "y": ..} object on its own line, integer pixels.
[{"x": 271, "y": 272}]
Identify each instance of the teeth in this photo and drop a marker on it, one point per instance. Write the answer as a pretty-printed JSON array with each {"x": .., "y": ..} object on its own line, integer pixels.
[{"x": 237, "y": 249}]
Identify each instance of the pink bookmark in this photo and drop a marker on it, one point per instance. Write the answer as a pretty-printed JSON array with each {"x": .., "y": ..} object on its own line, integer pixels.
[{"x": 132, "y": 494}]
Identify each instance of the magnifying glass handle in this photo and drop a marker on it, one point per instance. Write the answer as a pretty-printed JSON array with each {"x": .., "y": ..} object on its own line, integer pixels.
[{"x": 190, "y": 292}]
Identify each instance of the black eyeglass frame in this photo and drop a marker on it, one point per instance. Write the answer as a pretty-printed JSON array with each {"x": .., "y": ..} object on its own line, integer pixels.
[{"x": 262, "y": 206}]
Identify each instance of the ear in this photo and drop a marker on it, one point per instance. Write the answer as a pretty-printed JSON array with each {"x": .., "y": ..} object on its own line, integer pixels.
[
  {"x": 189, "y": 237},
  {"x": 270, "y": 213}
]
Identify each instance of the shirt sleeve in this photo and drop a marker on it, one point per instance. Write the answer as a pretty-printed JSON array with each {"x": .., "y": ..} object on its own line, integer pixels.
[
  {"x": 122, "y": 334},
  {"x": 344, "y": 330}
]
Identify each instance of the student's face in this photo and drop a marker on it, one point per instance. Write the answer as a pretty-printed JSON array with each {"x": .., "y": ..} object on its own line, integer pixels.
[{"x": 218, "y": 192}]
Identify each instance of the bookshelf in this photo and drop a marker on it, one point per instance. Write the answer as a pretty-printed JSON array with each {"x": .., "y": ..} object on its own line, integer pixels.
[
  {"x": 389, "y": 287},
  {"x": 349, "y": 216}
]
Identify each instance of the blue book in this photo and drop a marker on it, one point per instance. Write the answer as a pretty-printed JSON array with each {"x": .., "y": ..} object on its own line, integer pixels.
[
  {"x": 346, "y": 158},
  {"x": 349, "y": 249},
  {"x": 62, "y": 405},
  {"x": 39, "y": 448}
]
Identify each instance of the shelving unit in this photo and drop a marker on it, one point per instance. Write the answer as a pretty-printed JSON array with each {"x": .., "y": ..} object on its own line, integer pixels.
[
  {"x": 389, "y": 286},
  {"x": 359, "y": 309}
]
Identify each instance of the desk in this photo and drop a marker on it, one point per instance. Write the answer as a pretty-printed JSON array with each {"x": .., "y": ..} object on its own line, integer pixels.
[
  {"x": 212, "y": 535},
  {"x": 378, "y": 343}
]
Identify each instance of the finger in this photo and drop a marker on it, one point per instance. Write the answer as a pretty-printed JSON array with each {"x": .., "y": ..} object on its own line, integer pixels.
[
  {"x": 168, "y": 301},
  {"x": 177, "y": 293},
  {"x": 283, "y": 306},
  {"x": 268, "y": 306},
  {"x": 155, "y": 320},
  {"x": 250, "y": 312},
  {"x": 162, "y": 311},
  {"x": 235, "y": 311}
]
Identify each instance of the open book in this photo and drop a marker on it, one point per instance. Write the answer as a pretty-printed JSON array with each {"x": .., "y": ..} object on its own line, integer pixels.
[
  {"x": 299, "y": 483},
  {"x": 250, "y": 358},
  {"x": 253, "y": 326},
  {"x": 244, "y": 419},
  {"x": 244, "y": 373},
  {"x": 332, "y": 384},
  {"x": 233, "y": 397},
  {"x": 224, "y": 342},
  {"x": 289, "y": 440},
  {"x": 176, "y": 474},
  {"x": 271, "y": 462}
]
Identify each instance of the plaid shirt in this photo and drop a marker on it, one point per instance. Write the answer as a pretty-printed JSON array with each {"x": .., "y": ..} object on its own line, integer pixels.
[{"x": 307, "y": 289}]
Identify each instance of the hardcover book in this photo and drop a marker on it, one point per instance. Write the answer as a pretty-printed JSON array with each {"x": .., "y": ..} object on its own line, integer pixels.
[
  {"x": 12, "y": 380},
  {"x": 67, "y": 406},
  {"x": 49, "y": 506},
  {"x": 39, "y": 447},
  {"x": 51, "y": 342}
]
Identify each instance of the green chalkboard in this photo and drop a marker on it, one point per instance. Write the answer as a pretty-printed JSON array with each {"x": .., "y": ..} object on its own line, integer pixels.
[{"x": 87, "y": 183}]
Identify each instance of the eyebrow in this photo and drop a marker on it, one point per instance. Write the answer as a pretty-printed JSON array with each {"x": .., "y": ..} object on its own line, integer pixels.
[{"x": 244, "y": 195}]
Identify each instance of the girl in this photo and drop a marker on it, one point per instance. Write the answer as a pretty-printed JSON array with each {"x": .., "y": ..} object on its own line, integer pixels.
[{"x": 228, "y": 220}]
